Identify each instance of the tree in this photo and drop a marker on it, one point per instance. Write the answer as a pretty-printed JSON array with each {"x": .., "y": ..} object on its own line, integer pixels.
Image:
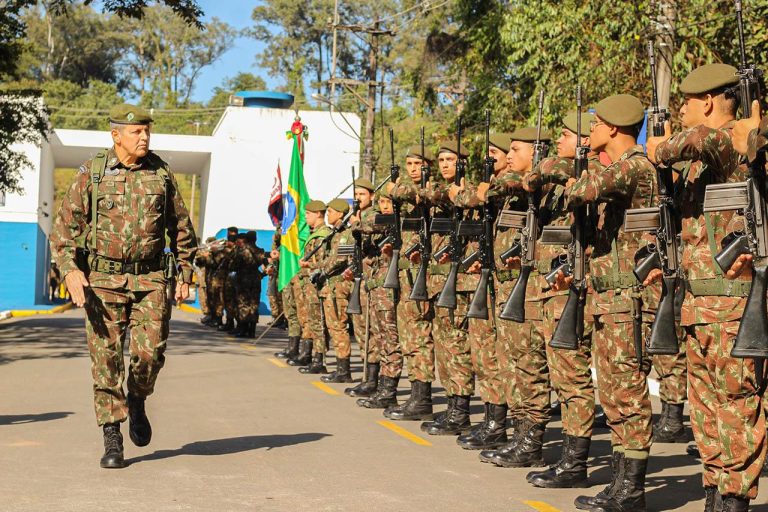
[{"x": 240, "y": 82}]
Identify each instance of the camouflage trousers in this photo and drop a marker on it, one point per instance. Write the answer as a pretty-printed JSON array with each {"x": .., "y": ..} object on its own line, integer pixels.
[
  {"x": 290, "y": 311},
  {"x": 673, "y": 376},
  {"x": 523, "y": 364},
  {"x": 570, "y": 374},
  {"x": 452, "y": 352},
  {"x": 414, "y": 329},
  {"x": 109, "y": 313},
  {"x": 276, "y": 304},
  {"x": 727, "y": 415},
  {"x": 359, "y": 325},
  {"x": 229, "y": 297},
  {"x": 302, "y": 311},
  {"x": 384, "y": 311},
  {"x": 248, "y": 298},
  {"x": 336, "y": 320},
  {"x": 202, "y": 292},
  {"x": 623, "y": 387},
  {"x": 485, "y": 365},
  {"x": 215, "y": 289},
  {"x": 315, "y": 321}
]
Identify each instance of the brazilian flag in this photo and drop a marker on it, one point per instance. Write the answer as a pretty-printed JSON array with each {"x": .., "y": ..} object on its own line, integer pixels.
[{"x": 295, "y": 230}]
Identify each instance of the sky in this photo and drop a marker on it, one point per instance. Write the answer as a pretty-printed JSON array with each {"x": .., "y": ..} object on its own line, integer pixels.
[{"x": 242, "y": 55}]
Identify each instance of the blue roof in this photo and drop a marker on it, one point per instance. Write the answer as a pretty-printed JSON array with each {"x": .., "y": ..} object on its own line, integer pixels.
[{"x": 265, "y": 99}]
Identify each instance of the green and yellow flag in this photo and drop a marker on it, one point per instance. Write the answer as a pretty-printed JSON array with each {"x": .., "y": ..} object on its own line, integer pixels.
[{"x": 295, "y": 230}]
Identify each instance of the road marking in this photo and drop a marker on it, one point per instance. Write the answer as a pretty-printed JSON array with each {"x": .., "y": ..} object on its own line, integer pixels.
[
  {"x": 24, "y": 444},
  {"x": 541, "y": 506},
  {"x": 189, "y": 309},
  {"x": 247, "y": 346},
  {"x": 276, "y": 362},
  {"x": 404, "y": 433},
  {"x": 322, "y": 387}
]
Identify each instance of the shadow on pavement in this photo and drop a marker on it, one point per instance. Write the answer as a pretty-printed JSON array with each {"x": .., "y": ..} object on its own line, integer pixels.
[
  {"x": 20, "y": 419},
  {"x": 233, "y": 445}
]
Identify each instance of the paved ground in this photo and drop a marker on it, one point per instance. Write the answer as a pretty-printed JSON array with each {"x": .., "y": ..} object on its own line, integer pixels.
[{"x": 236, "y": 431}]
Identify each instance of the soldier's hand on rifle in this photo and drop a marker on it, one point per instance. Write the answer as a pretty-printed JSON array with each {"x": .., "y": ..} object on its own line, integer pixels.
[
  {"x": 482, "y": 191},
  {"x": 389, "y": 187},
  {"x": 743, "y": 127},
  {"x": 182, "y": 292},
  {"x": 348, "y": 275},
  {"x": 444, "y": 258},
  {"x": 76, "y": 284},
  {"x": 474, "y": 268},
  {"x": 512, "y": 263},
  {"x": 562, "y": 282},
  {"x": 274, "y": 254},
  {"x": 455, "y": 189},
  {"x": 653, "y": 142},
  {"x": 269, "y": 271},
  {"x": 654, "y": 276},
  {"x": 415, "y": 257},
  {"x": 742, "y": 264},
  {"x": 303, "y": 264},
  {"x": 386, "y": 250}
]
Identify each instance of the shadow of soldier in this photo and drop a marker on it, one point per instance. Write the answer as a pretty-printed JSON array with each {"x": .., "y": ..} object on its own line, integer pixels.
[
  {"x": 20, "y": 419},
  {"x": 233, "y": 445}
]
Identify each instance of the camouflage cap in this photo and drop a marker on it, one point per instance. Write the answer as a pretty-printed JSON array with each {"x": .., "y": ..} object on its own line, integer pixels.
[
  {"x": 620, "y": 110},
  {"x": 501, "y": 140},
  {"x": 451, "y": 146},
  {"x": 383, "y": 193},
  {"x": 315, "y": 206},
  {"x": 570, "y": 122},
  {"x": 364, "y": 183},
  {"x": 340, "y": 205},
  {"x": 708, "y": 78},
  {"x": 129, "y": 114},
  {"x": 528, "y": 134},
  {"x": 415, "y": 152}
]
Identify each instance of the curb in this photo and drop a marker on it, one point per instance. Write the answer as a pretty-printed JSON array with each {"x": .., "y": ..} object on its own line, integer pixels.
[
  {"x": 189, "y": 309},
  {"x": 19, "y": 313}
]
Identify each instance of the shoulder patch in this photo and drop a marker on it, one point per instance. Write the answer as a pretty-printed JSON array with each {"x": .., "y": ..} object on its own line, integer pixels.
[{"x": 83, "y": 169}]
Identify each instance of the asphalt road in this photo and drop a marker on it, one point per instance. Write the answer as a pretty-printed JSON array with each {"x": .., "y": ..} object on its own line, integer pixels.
[{"x": 236, "y": 430}]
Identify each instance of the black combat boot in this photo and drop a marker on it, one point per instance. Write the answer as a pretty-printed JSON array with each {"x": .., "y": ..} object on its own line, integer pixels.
[
  {"x": 617, "y": 474},
  {"x": 456, "y": 422},
  {"x": 304, "y": 357},
  {"x": 601, "y": 420},
  {"x": 441, "y": 416},
  {"x": 555, "y": 409},
  {"x": 368, "y": 385},
  {"x": 342, "y": 373},
  {"x": 229, "y": 326},
  {"x": 527, "y": 452},
  {"x": 513, "y": 438},
  {"x": 113, "y": 447},
  {"x": 571, "y": 470},
  {"x": 252, "y": 329},
  {"x": 385, "y": 395},
  {"x": 693, "y": 450},
  {"x": 492, "y": 432},
  {"x": 417, "y": 407},
  {"x": 629, "y": 491},
  {"x": 291, "y": 350},
  {"x": 205, "y": 319},
  {"x": 672, "y": 429},
  {"x": 713, "y": 502},
  {"x": 214, "y": 322},
  {"x": 659, "y": 425},
  {"x": 139, "y": 430},
  {"x": 733, "y": 503},
  {"x": 316, "y": 366},
  {"x": 243, "y": 330}
]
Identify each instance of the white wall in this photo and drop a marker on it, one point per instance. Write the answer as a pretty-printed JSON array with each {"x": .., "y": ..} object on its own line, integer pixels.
[{"x": 24, "y": 207}]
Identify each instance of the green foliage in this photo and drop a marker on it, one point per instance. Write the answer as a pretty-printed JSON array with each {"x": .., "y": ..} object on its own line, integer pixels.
[
  {"x": 83, "y": 108},
  {"x": 241, "y": 82}
]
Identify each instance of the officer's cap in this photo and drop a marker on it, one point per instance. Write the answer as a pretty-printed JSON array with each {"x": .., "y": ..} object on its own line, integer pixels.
[
  {"x": 364, "y": 183},
  {"x": 501, "y": 141},
  {"x": 708, "y": 78},
  {"x": 129, "y": 114},
  {"x": 315, "y": 206},
  {"x": 415, "y": 152},
  {"x": 621, "y": 110},
  {"x": 340, "y": 205},
  {"x": 451, "y": 146},
  {"x": 570, "y": 122},
  {"x": 528, "y": 134}
]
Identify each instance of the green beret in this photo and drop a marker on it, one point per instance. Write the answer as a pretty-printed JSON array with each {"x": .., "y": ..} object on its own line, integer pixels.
[
  {"x": 451, "y": 146},
  {"x": 364, "y": 183},
  {"x": 129, "y": 114},
  {"x": 383, "y": 193},
  {"x": 621, "y": 110},
  {"x": 340, "y": 205},
  {"x": 708, "y": 78},
  {"x": 315, "y": 206},
  {"x": 570, "y": 122},
  {"x": 415, "y": 152},
  {"x": 528, "y": 134},
  {"x": 501, "y": 141}
]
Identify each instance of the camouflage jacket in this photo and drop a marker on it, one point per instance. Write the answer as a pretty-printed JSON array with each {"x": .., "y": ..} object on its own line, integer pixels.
[
  {"x": 334, "y": 265},
  {"x": 315, "y": 238},
  {"x": 709, "y": 157},
  {"x": 758, "y": 139},
  {"x": 247, "y": 261},
  {"x": 136, "y": 209}
]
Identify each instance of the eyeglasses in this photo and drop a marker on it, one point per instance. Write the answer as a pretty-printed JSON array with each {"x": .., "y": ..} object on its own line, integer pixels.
[{"x": 594, "y": 124}]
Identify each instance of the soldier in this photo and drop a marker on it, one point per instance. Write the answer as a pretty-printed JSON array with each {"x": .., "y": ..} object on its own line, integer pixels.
[
  {"x": 289, "y": 303},
  {"x": 727, "y": 416},
  {"x": 275, "y": 297},
  {"x": 202, "y": 262},
  {"x": 673, "y": 383},
  {"x": 120, "y": 272},
  {"x": 219, "y": 257},
  {"x": 414, "y": 318},
  {"x": 247, "y": 262},
  {"x": 229, "y": 287}
]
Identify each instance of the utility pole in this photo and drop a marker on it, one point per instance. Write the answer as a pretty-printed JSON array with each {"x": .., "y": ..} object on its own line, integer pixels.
[
  {"x": 664, "y": 18},
  {"x": 333, "y": 54}
]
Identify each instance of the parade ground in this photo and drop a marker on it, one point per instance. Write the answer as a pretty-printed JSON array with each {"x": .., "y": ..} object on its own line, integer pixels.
[{"x": 236, "y": 429}]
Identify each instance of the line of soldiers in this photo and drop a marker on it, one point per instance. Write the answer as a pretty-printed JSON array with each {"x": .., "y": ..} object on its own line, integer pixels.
[
  {"x": 510, "y": 364},
  {"x": 229, "y": 275}
]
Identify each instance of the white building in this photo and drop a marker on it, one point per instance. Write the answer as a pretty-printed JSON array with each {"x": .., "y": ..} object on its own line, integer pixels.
[{"x": 236, "y": 166}]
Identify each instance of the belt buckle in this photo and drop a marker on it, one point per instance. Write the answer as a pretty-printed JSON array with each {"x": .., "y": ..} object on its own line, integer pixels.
[{"x": 112, "y": 266}]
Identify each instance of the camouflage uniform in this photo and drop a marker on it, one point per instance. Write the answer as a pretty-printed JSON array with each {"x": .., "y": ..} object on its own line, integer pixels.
[
  {"x": 673, "y": 377},
  {"x": 202, "y": 265},
  {"x": 218, "y": 277},
  {"x": 359, "y": 321},
  {"x": 383, "y": 310},
  {"x": 246, "y": 263},
  {"x": 727, "y": 416},
  {"x": 136, "y": 206},
  {"x": 276, "y": 298},
  {"x": 334, "y": 293},
  {"x": 314, "y": 319},
  {"x": 294, "y": 307},
  {"x": 627, "y": 183}
]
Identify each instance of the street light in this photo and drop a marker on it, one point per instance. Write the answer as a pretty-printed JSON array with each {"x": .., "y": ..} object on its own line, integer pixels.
[{"x": 323, "y": 99}]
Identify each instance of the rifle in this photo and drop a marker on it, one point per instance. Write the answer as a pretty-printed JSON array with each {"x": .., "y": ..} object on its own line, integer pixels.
[
  {"x": 419, "y": 290},
  {"x": 392, "y": 279},
  {"x": 662, "y": 222},
  {"x": 447, "y": 298},
  {"x": 354, "y": 307},
  {"x": 749, "y": 198},
  {"x": 570, "y": 328},
  {"x": 514, "y": 308},
  {"x": 478, "y": 308}
]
